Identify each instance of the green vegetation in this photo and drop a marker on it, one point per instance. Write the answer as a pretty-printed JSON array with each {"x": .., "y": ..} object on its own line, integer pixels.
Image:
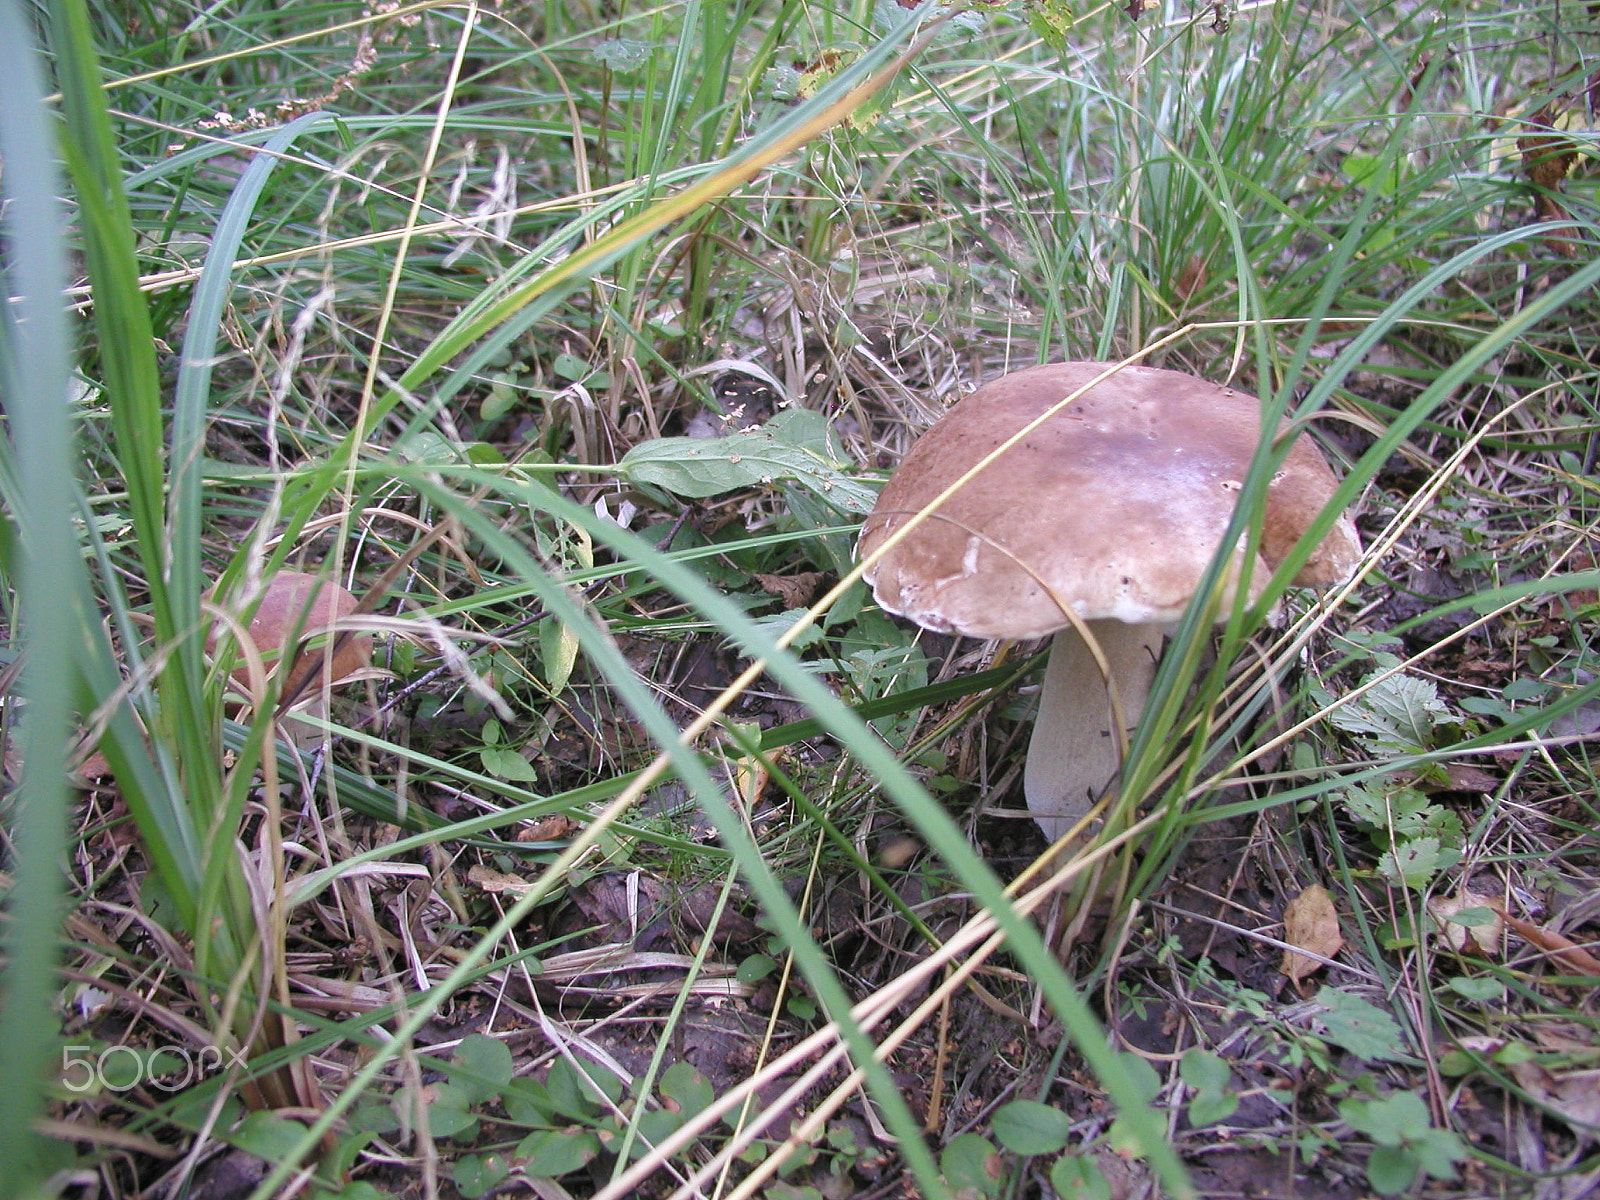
[{"x": 649, "y": 856}]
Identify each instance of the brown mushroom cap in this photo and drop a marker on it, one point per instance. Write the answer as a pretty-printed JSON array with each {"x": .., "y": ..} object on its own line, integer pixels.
[
  {"x": 1114, "y": 506},
  {"x": 299, "y": 606}
]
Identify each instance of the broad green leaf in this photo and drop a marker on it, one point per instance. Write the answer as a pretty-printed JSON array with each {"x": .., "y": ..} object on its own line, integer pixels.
[
  {"x": 1077, "y": 1177},
  {"x": 1483, "y": 991},
  {"x": 1029, "y": 1127},
  {"x": 970, "y": 1161},
  {"x": 1439, "y": 1150},
  {"x": 1391, "y": 1169},
  {"x": 1210, "y": 1075},
  {"x": 1205, "y": 1071},
  {"x": 267, "y": 1136},
  {"x": 528, "y": 1103},
  {"x": 795, "y": 445},
  {"x": 505, "y": 763},
  {"x": 449, "y": 1107},
  {"x": 486, "y": 1067},
  {"x": 552, "y": 1153},
  {"x": 1207, "y": 1108},
  {"x": 558, "y": 651},
  {"x": 654, "y": 1127},
  {"x": 475, "y": 1174},
  {"x": 686, "y": 1087}
]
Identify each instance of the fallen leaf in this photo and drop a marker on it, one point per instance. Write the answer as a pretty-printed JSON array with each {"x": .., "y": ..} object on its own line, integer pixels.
[
  {"x": 796, "y": 591},
  {"x": 552, "y": 828},
  {"x": 1466, "y": 778},
  {"x": 1574, "y": 1096},
  {"x": 1557, "y": 945},
  {"x": 494, "y": 881},
  {"x": 1310, "y": 923},
  {"x": 1483, "y": 937},
  {"x": 1191, "y": 277}
]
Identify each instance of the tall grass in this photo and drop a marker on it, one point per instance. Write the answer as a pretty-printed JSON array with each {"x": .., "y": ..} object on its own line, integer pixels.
[{"x": 392, "y": 295}]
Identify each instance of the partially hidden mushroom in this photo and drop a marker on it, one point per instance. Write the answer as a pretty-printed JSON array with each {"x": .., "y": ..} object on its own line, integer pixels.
[
  {"x": 1105, "y": 517},
  {"x": 297, "y": 608}
]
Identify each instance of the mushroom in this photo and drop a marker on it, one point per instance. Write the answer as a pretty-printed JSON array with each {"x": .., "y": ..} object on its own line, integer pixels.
[
  {"x": 296, "y": 606},
  {"x": 1102, "y": 519}
]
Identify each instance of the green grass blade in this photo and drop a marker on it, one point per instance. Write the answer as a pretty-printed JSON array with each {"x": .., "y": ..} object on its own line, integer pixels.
[{"x": 40, "y": 458}]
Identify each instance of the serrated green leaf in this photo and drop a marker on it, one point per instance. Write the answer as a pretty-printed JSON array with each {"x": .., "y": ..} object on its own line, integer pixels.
[
  {"x": 1051, "y": 20},
  {"x": 1366, "y": 1031},
  {"x": 1029, "y": 1127},
  {"x": 1398, "y": 711},
  {"x": 623, "y": 55},
  {"x": 1415, "y": 862}
]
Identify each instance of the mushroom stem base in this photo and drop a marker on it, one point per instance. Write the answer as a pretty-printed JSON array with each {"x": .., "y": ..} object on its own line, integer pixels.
[{"x": 1076, "y": 751}]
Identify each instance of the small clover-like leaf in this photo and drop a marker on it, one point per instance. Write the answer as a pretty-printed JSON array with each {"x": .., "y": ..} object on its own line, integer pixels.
[
  {"x": 552, "y": 1153},
  {"x": 1029, "y": 1127},
  {"x": 686, "y": 1088},
  {"x": 1391, "y": 1169},
  {"x": 969, "y": 1161},
  {"x": 485, "y": 1064},
  {"x": 1075, "y": 1177}
]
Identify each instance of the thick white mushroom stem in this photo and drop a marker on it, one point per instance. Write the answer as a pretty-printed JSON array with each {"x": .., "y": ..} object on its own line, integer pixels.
[{"x": 1076, "y": 751}]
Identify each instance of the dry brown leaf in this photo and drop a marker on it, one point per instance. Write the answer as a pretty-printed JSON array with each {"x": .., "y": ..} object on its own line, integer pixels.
[
  {"x": 1560, "y": 947},
  {"x": 1563, "y": 1037},
  {"x": 1191, "y": 277},
  {"x": 1466, "y": 778},
  {"x": 494, "y": 881},
  {"x": 1311, "y": 923},
  {"x": 1476, "y": 939},
  {"x": 796, "y": 591},
  {"x": 1574, "y": 1096},
  {"x": 553, "y": 828}
]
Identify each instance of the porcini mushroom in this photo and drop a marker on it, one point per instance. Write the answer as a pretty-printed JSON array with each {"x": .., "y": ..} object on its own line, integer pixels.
[
  {"x": 296, "y": 606},
  {"x": 1107, "y": 514}
]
